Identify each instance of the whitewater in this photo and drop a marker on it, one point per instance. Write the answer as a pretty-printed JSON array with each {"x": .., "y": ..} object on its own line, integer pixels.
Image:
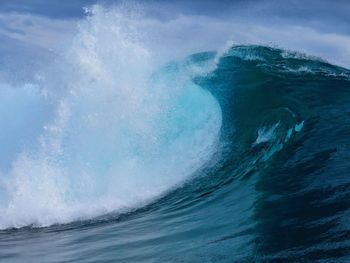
[{"x": 118, "y": 133}]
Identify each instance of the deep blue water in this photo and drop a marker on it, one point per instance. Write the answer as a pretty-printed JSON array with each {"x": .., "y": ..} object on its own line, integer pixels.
[{"x": 109, "y": 155}]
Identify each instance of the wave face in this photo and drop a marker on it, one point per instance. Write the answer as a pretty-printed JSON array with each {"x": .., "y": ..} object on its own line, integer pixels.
[{"x": 237, "y": 156}]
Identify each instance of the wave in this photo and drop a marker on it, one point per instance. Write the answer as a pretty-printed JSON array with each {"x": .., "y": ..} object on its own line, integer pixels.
[{"x": 107, "y": 129}]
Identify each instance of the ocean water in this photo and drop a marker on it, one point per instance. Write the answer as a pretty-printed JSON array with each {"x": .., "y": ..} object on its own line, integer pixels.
[{"x": 116, "y": 152}]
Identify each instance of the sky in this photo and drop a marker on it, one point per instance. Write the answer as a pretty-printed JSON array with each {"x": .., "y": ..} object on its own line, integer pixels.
[{"x": 35, "y": 30}]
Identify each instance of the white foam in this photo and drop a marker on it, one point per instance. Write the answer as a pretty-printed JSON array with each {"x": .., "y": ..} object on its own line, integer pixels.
[
  {"x": 265, "y": 134},
  {"x": 117, "y": 140}
]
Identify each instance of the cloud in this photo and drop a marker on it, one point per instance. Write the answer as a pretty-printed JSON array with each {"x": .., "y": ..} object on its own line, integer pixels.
[
  {"x": 181, "y": 34},
  {"x": 185, "y": 34},
  {"x": 36, "y": 30}
]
